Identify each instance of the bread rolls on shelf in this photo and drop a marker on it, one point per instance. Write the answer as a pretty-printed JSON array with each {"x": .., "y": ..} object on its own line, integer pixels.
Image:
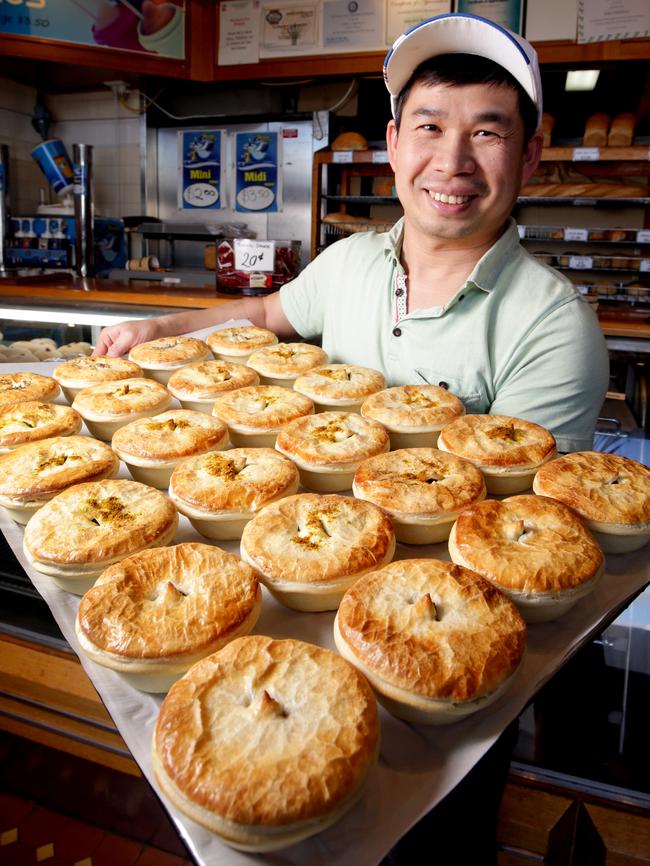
[
  {"x": 621, "y": 132},
  {"x": 596, "y": 129},
  {"x": 546, "y": 128},
  {"x": 350, "y": 141}
]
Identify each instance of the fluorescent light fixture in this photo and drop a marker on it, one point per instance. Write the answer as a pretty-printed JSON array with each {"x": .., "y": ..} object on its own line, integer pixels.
[
  {"x": 63, "y": 317},
  {"x": 581, "y": 79}
]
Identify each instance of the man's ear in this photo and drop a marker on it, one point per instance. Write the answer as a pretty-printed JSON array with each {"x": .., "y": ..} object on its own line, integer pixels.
[
  {"x": 391, "y": 142},
  {"x": 532, "y": 156}
]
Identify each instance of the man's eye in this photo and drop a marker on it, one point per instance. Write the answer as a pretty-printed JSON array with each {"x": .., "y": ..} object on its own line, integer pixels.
[
  {"x": 430, "y": 127},
  {"x": 486, "y": 133}
]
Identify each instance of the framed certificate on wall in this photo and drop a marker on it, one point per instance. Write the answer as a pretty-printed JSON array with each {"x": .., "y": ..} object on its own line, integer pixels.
[{"x": 507, "y": 13}]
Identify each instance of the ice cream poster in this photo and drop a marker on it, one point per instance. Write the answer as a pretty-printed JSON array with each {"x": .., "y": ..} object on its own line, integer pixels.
[
  {"x": 258, "y": 174},
  {"x": 145, "y": 26},
  {"x": 200, "y": 164}
]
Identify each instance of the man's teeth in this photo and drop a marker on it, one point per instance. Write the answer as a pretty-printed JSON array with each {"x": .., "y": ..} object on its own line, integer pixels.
[{"x": 450, "y": 199}]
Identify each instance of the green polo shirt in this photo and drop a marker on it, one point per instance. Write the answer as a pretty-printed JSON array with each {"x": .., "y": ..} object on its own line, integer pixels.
[{"x": 516, "y": 339}]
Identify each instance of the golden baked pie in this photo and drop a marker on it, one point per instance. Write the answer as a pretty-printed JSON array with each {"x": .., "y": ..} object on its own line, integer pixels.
[
  {"x": 107, "y": 407},
  {"x": 238, "y": 344},
  {"x": 85, "y": 371},
  {"x": 151, "y": 616},
  {"x": 23, "y": 386},
  {"x": 160, "y": 358},
  {"x": 198, "y": 385},
  {"x": 255, "y": 414},
  {"x": 31, "y": 421},
  {"x": 532, "y": 548},
  {"x": 266, "y": 742},
  {"x": 88, "y": 527},
  {"x": 610, "y": 493},
  {"x": 32, "y": 474},
  {"x": 220, "y": 492},
  {"x": 423, "y": 490},
  {"x": 309, "y": 549},
  {"x": 153, "y": 447},
  {"x": 508, "y": 451},
  {"x": 282, "y": 363},
  {"x": 327, "y": 448},
  {"x": 339, "y": 386},
  {"x": 436, "y": 641},
  {"x": 413, "y": 414}
]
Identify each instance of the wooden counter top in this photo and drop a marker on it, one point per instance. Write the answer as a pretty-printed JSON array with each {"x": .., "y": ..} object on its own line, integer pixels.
[{"x": 72, "y": 289}]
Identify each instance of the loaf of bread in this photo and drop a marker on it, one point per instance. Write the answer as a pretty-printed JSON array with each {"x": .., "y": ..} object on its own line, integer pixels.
[
  {"x": 546, "y": 128},
  {"x": 350, "y": 141},
  {"x": 621, "y": 132},
  {"x": 596, "y": 129}
]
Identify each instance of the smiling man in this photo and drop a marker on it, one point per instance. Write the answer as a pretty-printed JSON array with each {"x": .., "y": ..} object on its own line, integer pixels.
[{"x": 448, "y": 295}]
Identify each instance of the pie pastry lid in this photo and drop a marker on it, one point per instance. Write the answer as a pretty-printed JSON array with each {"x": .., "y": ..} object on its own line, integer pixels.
[
  {"x": 279, "y": 779},
  {"x": 532, "y": 548},
  {"x": 167, "y": 606},
  {"x": 23, "y": 386},
  {"x": 413, "y": 408},
  {"x": 121, "y": 401},
  {"x": 167, "y": 353},
  {"x": 33, "y": 420},
  {"x": 84, "y": 371},
  {"x": 286, "y": 360},
  {"x": 260, "y": 409},
  {"x": 168, "y": 437},
  {"x": 498, "y": 444},
  {"x": 337, "y": 441},
  {"x": 91, "y": 525},
  {"x": 339, "y": 385},
  {"x": 434, "y": 630},
  {"x": 611, "y": 493},
  {"x": 206, "y": 380},
  {"x": 240, "y": 342}
]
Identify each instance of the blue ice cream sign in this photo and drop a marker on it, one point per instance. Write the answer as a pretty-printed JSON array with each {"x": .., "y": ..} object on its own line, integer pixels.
[
  {"x": 257, "y": 184},
  {"x": 200, "y": 169}
]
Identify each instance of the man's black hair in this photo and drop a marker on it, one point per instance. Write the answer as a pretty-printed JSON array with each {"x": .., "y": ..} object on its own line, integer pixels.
[{"x": 461, "y": 69}]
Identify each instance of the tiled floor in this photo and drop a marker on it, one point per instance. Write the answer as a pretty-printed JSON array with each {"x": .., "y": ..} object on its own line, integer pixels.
[
  {"x": 60, "y": 810},
  {"x": 31, "y": 834}
]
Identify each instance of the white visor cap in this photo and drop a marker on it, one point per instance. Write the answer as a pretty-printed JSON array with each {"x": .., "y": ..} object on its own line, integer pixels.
[{"x": 457, "y": 33}]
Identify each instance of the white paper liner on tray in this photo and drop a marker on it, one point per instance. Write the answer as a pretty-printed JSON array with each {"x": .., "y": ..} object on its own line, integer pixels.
[{"x": 418, "y": 765}]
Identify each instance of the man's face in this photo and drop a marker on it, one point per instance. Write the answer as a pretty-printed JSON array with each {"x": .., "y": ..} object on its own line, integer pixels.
[{"x": 459, "y": 160}]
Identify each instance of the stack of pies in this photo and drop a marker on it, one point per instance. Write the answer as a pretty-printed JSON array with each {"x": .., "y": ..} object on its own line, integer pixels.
[
  {"x": 107, "y": 407},
  {"x": 339, "y": 386},
  {"x": 31, "y": 421},
  {"x": 88, "y": 527},
  {"x": 327, "y": 448},
  {"x": 508, "y": 451},
  {"x": 532, "y": 548},
  {"x": 21, "y": 387},
  {"x": 198, "y": 385},
  {"x": 413, "y": 414},
  {"x": 422, "y": 489},
  {"x": 238, "y": 344},
  {"x": 151, "y": 616},
  {"x": 610, "y": 493},
  {"x": 220, "y": 493},
  {"x": 84, "y": 372},
  {"x": 309, "y": 549},
  {"x": 266, "y": 742},
  {"x": 283, "y": 363},
  {"x": 153, "y": 447},
  {"x": 436, "y": 641},
  {"x": 31, "y": 475},
  {"x": 160, "y": 358},
  {"x": 255, "y": 414}
]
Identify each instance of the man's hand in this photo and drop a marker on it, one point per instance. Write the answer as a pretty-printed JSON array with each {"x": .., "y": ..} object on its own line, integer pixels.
[{"x": 117, "y": 339}]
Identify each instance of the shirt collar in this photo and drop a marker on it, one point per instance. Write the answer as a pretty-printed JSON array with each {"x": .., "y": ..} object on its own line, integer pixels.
[{"x": 486, "y": 271}]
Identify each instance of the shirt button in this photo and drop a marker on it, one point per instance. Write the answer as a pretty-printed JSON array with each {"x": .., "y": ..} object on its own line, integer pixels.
[
  {"x": 397, "y": 332},
  {"x": 399, "y": 293},
  {"x": 460, "y": 297},
  {"x": 443, "y": 385}
]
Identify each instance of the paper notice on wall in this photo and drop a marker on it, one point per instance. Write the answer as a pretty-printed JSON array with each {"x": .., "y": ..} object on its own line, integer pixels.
[
  {"x": 289, "y": 29},
  {"x": 600, "y": 20},
  {"x": 352, "y": 24},
  {"x": 401, "y": 15},
  {"x": 258, "y": 178},
  {"x": 239, "y": 32}
]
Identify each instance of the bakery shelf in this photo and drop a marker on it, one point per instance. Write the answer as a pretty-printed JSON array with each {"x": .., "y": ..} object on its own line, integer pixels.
[
  {"x": 582, "y": 201},
  {"x": 584, "y": 234},
  {"x": 636, "y": 153},
  {"x": 363, "y": 199}
]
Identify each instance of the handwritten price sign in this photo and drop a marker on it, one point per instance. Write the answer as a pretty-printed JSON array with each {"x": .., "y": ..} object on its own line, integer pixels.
[{"x": 252, "y": 255}]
